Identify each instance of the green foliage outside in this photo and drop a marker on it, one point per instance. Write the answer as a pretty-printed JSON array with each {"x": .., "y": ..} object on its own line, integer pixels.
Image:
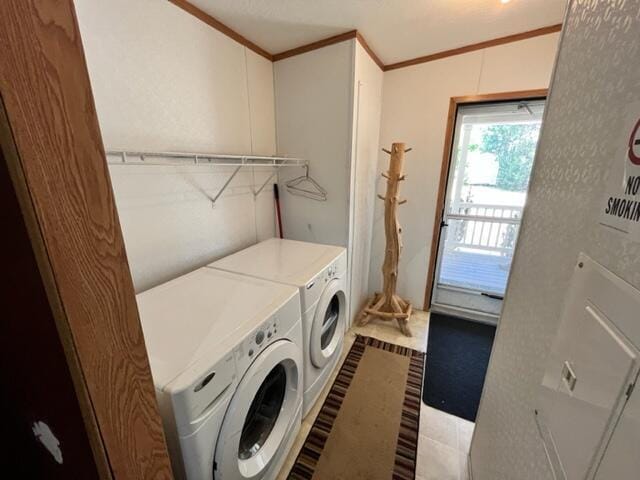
[{"x": 514, "y": 147}]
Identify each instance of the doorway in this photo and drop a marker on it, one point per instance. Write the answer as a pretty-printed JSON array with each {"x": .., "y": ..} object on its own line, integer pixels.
[{"x": 492, "y": 148}]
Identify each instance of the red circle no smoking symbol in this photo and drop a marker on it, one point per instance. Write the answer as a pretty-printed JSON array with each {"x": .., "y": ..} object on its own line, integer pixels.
[{"x": 634, "y": 144}]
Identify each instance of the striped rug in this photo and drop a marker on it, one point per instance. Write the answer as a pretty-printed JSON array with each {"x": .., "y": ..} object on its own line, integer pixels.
[{"x": 368, "y": 425}]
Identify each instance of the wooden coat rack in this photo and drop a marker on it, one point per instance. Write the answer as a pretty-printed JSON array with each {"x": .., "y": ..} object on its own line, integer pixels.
[{"x": 387, "y": 305}]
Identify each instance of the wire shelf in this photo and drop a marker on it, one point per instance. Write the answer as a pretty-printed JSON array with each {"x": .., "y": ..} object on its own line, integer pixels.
[{"x": 168, "y": 159}]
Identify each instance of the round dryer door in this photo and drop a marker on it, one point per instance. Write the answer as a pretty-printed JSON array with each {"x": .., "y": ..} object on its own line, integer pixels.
[
  {"x": 328, "y": 324},
  {"x": 261, "y": 413}
]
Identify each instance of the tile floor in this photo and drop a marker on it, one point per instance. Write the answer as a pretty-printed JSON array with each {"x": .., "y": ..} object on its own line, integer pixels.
[{"x": 444, "y": 440}]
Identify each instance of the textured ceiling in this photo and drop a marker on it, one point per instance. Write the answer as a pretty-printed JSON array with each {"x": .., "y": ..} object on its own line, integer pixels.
[{"x": 395, "y": 29}]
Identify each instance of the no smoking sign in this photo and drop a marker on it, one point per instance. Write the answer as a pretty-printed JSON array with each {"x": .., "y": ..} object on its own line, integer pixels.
[
  {"x": 634, "y": 144},
  {"x": 621, "y": 203}
]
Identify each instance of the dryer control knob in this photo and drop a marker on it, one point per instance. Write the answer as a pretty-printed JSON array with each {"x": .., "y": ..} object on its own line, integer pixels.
[{"x": 259, "y": 337}]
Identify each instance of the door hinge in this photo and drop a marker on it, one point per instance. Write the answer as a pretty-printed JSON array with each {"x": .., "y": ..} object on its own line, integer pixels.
[{"x": 630, "y": 389}]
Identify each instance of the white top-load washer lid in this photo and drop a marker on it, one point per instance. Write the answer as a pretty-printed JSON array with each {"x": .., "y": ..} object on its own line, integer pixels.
[
  {"x": 201, "y": 316},
  {"x": 281, "y": 260}
]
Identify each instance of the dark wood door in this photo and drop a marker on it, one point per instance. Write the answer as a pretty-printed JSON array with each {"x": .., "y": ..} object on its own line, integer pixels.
[{"x": 35, "y": 381}]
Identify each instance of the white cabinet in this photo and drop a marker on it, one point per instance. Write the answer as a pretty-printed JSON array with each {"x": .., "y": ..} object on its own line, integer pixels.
[
  {"x": 328, "y": 107},
  {"x": 622, "y": 457},
  {"x": 592, "y": 368}
]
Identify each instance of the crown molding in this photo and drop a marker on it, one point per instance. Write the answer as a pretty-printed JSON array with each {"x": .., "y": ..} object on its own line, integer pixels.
[
  {"x": 222, "y": 28},
  {"x": 325, "y": 42},
  {"x": 369, "y": 50},
  {"x": 475, "y": 46}
]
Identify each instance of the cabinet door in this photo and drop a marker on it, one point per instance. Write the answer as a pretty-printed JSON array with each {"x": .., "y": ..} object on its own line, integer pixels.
[
  {"x": 592, "y": 366},
  {"x": 621, "y": 460}
]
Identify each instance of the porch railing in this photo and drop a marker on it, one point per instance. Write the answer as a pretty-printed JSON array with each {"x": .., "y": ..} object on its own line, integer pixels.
[{"x": 493, "y": 228}]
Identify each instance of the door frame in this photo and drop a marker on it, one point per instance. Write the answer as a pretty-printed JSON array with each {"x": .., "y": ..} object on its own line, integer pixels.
[
  {"x": 52, "y": 146},
  {"x": 454, "y": 104}
]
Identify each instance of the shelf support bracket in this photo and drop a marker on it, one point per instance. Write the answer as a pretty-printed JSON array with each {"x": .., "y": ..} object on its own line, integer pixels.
[
  {"x": 275, "y": 171},
  {"x": 226, "y": 184}
]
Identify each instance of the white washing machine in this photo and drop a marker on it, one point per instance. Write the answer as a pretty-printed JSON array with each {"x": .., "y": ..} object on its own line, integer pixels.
[
  {"x": 226, "y": 359},
  {"x": 320, "y": 273}
]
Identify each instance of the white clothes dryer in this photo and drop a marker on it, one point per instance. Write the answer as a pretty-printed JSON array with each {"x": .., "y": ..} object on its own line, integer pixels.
[
  {"x": 320, "y": 273},
  {"x": 226, "y": 359}
]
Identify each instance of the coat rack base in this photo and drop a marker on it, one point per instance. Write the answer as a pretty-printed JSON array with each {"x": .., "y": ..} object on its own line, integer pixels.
[{"x": 387, "y": 309}]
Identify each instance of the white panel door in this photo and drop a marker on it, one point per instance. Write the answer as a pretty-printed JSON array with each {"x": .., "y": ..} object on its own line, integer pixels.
[{"x": 621, "y": 459}]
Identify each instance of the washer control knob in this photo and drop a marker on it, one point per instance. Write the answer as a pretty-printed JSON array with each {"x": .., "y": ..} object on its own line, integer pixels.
[
  {"x": 251, "y": 352},
  {"x": 259, "y": 337}
]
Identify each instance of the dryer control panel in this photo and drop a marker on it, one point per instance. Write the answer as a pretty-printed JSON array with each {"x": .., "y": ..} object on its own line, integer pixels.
[
  {"x": 339, "y": 266},
  {"x": 313, "y": 290}
]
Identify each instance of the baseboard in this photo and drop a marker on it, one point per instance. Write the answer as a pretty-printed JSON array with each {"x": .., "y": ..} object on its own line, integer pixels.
[{"x": 471, "y": 315}]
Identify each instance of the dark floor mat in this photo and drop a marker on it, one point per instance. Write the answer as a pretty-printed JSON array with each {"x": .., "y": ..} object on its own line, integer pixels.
[{"x": 457, "y": 359}]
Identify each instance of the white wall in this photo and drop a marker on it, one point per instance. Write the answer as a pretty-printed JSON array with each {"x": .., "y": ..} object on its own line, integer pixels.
[
  {"x": 597, "y": 77},
  {"x": 165, "y": 81},
  {"x": 414, "y": 110},
  {"x": 328, "y": 107},
  {"x": 314, "y": 108},
  {"x": 368, "y": 79}
]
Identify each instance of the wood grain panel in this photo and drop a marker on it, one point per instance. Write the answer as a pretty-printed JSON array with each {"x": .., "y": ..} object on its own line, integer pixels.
[
  {"x": 502, "y": 96},
  {"x": 475, "y": 46},
  {"x": 49, "y": 104},
  {"x": 454, "y": 103},
  {"x": 35, "y": 339},
  {"x": 325, "y": 42},
  {"x": 221, "y": 27},
  {"x": 442, "y": 190}
]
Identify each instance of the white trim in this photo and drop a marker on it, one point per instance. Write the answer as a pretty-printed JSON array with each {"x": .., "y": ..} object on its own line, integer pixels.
[
  {"x": 466, "y": 314},
  {"x": 320, "y": 357},
  {"x": 498, "y": 338}
]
